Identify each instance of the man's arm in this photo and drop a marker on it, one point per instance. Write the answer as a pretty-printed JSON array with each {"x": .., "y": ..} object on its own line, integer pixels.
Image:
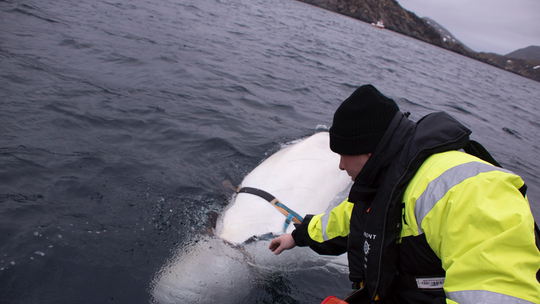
[
  {"x": 483, "y": 231},
  {"x": 324, "y": 233}
]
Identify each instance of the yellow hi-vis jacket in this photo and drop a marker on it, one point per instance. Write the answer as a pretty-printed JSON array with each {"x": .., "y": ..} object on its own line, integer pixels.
[{"x": 475, "y": 219}]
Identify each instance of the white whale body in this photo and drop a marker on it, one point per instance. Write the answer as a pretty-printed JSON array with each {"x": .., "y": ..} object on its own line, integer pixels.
[
  {"x": 304, "y": 176},
  {"x": 222, "y": 269}
]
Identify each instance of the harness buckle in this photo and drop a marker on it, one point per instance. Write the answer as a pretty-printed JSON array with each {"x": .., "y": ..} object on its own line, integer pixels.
[{"x": 288, "y": 221}]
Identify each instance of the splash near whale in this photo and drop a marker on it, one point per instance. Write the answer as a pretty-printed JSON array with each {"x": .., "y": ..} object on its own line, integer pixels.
[{"x": 305, "y": 177}]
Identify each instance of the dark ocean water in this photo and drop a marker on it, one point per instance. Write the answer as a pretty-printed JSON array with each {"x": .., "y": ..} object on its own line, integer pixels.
[{"x": 120, "y": 120}]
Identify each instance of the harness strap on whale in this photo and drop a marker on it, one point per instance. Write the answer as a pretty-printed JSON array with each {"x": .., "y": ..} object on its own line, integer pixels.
[{"x": 290, "y": 214}]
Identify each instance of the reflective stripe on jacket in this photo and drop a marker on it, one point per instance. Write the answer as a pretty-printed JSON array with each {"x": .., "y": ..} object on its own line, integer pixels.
[{"x": 476, "y": 221}]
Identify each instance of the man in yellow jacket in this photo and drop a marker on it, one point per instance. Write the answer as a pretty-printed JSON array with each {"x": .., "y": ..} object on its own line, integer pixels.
[{"x": 424, "y": 222}]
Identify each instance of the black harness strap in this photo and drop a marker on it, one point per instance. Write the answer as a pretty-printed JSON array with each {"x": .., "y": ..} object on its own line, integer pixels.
[
  {"x": 261, "y": 193},
  {"x": 291, "y": 215}
]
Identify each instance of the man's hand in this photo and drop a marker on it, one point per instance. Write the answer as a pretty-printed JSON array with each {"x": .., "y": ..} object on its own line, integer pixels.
[{"x": 282, "y": 242}]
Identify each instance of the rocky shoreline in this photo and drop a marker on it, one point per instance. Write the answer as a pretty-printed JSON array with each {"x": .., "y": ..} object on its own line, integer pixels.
[{"x": 407, "y": 23}]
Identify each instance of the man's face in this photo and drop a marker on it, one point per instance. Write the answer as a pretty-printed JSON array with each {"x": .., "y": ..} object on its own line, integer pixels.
[{"x": 353, "y": 164}]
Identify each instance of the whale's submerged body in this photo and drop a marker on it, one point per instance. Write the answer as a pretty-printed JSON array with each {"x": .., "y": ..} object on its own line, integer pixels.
[{"x": 306, "y": 178}]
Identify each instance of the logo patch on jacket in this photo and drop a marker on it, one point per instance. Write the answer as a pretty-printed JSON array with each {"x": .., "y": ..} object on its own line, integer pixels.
[{"x": 366, "y": 247}]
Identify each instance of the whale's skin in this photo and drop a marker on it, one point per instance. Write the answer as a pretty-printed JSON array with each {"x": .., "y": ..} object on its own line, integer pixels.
[{"x": 305, "y": 176}]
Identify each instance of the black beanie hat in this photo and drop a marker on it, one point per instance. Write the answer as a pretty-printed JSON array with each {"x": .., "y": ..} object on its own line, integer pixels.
[{"x": 360, "y": 121}]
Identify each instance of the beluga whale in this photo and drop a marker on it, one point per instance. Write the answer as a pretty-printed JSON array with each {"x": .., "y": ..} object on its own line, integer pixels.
[{"x": 302, "y": 178}]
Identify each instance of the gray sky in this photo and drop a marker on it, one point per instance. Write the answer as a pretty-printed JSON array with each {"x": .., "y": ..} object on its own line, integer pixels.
[{"x": 495, "y": 26}]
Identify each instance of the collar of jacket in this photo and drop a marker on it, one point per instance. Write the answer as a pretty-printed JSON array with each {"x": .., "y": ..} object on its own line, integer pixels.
[{"x": 372, "y": 246}]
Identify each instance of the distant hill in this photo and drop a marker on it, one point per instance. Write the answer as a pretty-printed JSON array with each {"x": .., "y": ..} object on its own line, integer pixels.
[
  {"x": 530, "y": 52},
  {"x": 445, "y": 34},
  {"x": 407, "y": 23}
]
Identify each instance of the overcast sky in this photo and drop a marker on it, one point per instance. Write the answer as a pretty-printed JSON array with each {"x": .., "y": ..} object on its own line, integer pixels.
[{"x": 495, "y": 26}]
